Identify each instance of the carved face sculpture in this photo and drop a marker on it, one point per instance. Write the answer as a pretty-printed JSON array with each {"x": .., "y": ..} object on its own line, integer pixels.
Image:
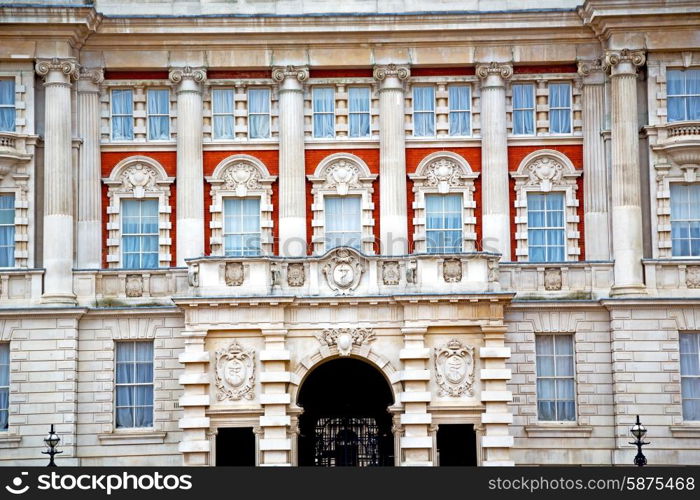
[
  {"x": 455, "y": 368},
  {"x": 235, "y": 372},
  {"x": 343, "y": 274}
]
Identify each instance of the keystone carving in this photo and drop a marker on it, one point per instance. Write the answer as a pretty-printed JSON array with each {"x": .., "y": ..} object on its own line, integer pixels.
[{"x": 345, "y": 338}]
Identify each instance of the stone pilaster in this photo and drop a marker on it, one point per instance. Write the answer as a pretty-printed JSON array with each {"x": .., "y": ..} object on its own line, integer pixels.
[
  {"x": 195, "y": 443},
  {"x": 275, "y": 443},
  {"x": 89, "y": 242},
  {"x": 190, "y": 168},
  {"x": 416, "y": 446},
  {"x": 595, "y": 177},
  {"x": 494, "y": 154},
  {"x": 58, "y": 179},
  {"x": 393, "y": 210},
  {"x": 496, "y": 440},
  {"x": 292, "y": 178},
  {"x": 626, "y": 177}
]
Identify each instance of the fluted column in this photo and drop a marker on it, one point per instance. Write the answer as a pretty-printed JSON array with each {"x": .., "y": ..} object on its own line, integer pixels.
[
  {"x": 292, "y": 178},
  {"x": 626, "y": 177},
  {"x": 595, "y": 175},
  {"x": 393, "y": 210},
  {"x": 494, "y": 158},
  {"x": 89, "y": 250},
  {"x": 58, "y": 179},
  {"x": 190, "y": 169}
]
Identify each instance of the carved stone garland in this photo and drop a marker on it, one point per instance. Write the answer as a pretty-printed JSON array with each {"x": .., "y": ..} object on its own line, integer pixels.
[
  {"x": 454, "y": 369},
  {"x": 345, "y": 338},
  {"x": 235, "y": 373}
]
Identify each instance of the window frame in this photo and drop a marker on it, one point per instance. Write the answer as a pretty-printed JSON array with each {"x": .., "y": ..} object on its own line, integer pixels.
[
  {"x": 13, "y": 225},
  {"x": 224, "y": 234},
  {"x": 546, "y": 228},
  {"x": 555, "y": 377},
  {"x": 117, "y": 384},
  {"x": 332, "y": 113},
  {"x": 468, "y": 111},
  {"x": 232, "y": 114},
  {"x": 161, "y": 115},
  {"x": 327, "y": 233},
  {"x": 368, "y": 88},
  {"x": 550, "y": 108},
  {"x": 139, "y": 235},
  {"x": 12, "y": 106},
  {"x": 433, "y": 112},
  {"x": 696, "y": 339},
  {"x": 112, "y": 115},
  {"x": 684, "y": 97},
  {"x": 459, "y": 228},
  {"x": 249, "y": 113},
  {"x": 533, "y": 110},
  {"x": 671, "y": 187},
  {"x": 7, "y": 387}
]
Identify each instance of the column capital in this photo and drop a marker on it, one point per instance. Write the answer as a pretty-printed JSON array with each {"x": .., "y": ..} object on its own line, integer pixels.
[
  {"x": 298, "y": 73},
  {"x": 89, "y": 79},
  {"x": 624, "y": 61},
  {"x": 66, "y": 69},
  {"x": 188, "y": 78},
  {"x": 501, "y": 70},
  {"x": 382, "y": 72},
  {"x": 592, "y": 71}
]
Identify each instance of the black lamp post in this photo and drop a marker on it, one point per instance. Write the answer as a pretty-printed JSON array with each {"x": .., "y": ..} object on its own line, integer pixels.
[
  {"x": 639, "y": 431},
  {"x": 51, "y": 441}
]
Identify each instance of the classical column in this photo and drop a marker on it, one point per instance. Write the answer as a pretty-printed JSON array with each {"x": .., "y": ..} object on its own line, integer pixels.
[
  {"x": 595, "y": 175},
  {"x": 494, "y": 158},
  {"x": 626, "y": 177},
  {"x": 190, "y": 173},
  {"x": 393, "y": 211},
  {"x": 89, "y": 250},
  {"x": 292, "y": 178},
  {"x": 58, "y": 179}
]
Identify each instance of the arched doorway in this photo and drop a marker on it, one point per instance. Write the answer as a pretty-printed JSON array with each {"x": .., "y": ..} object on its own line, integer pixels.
[{"x": 345, "y": 420}]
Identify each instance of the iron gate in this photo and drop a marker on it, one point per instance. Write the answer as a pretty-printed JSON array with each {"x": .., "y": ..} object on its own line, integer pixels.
[{"x": 347, "y": 441}]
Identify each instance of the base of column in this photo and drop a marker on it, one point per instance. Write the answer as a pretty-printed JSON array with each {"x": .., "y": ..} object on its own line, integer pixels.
[
  {"x": 633, "y": 290},
  {"x": 67, "y": 299}
]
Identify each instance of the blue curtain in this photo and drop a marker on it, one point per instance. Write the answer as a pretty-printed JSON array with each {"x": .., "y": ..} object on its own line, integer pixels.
[
  {"x": 122, "y": 115},
  {"x": 134, "y": 384},
  {"x": 222, "y": 107},
  {"x": 7, "y": 105},
  {"x": 683, "y": 94},
  {"x": 685, "y": 220},
  {"x": 443, "y": 223},
  {"x": 242, "y": 226},
  {"x": 259, "y": 113},
  {"x": 460, "y": 106},
  {"x": 523, "y": 109},
  {"x": 139, "y": 234},
  {"x": 343, "y": 221},
  {"x": 423, "y": 111},
  {"x": 555, "y": 378},
  {"x": 560, "y": 119},
  {"x": 4, "y": 384},
  {"x": 690, "y": 375},
  {"x": 324, "y": 112},
  {"x": 546, "y": 227},
  {"x": 359, "y": 105},
  {"x": 158, "y": 114},
  {"x": 7, "y": 230}
]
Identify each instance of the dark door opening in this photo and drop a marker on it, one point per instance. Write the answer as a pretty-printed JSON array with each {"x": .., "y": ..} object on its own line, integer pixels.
[
  {"x": 456, "y": 445},
  {"x": 235, "y": 446},
  {"x": 345, "y": 420}
]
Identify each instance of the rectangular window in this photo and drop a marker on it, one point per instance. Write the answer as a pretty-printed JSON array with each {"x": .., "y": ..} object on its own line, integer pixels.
[
  {"x": 122, "y": 114},
  {"x": 443, "y": 223},
  {"x": 359, "y": 109},
  {"x": 242, "y": 226},
  {"x": 343, "y": 221},
  {"x": 460, "y": 109},
  {"x": 690, "y": 375},
  {"x": 523, "y": 109},
  {"x": 685, "y": 220},
  {"x": 546, "y": 227},
  {"x": 683, "y": 92},
  {"x": 222, "y": 112},
  {"x": 158, "y": 114},
  {"x": 258, "y": 113},
  {"x": 7, "y": 230},
  {"x": 423, "y": 111},
  {"x": 556, "y": 393},
  {"x": 4, "y": 384},
  {"x": 324, "y": 112},
  {"x": 7, "y": 105},
  {"x": 560, "y": 108},
  {"x": 139, "y": 234},
  {"x": 134, "y": 384}
]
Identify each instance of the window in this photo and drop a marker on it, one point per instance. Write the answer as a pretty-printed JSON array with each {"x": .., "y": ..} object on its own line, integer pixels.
[
  {"x": 4, "y": 384},
  {"x": 460, "y": 109},
  {"x": 7, "y": 105},
  {"x": 134, "y": 384},
  {"x": 324, "y": 112},
  {"x": 690, "y": 375},
  {"x": 343, "y": 221},
  {"x": 158, "y": 114},
  {"x": 546, "y": 230},
  {"x": 523, "y": 109},
  {"x": 222, "y": 111},
  {"x": 122, "y": 115},
  {"x": 555, "y": 377},
  {"x": 139, "y": 234},
  {"x": 423, "y": 111},
  {"x": 258, "y": 113},
  {"x": 683, "y": 88},
  {"x": 359, "y": 111},
  {"x": 7, "y": 230},
  {"x": 242, "y": 226},
  {"x": 443, "y": 224},
  {"x": 685, "y": 220},
  {"x": 560, "y": 108}
]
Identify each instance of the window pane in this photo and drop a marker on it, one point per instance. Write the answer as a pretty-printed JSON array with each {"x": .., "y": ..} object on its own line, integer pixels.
[
  {"x": 343, "y": 221},
  {"x": 423, "y": 111},
  {"x": 158, "y": 114},
  {"x": 459, "y": 102},
  {"x": 324, "y": 112},
  {"x": 222, "y": 109},
  {"x": 7, "y": 230},
  {"x": 7, "y": 105},
  {"x": 556, "y": 388},
  {"x": 134, "y": 378},
  {"x": 122, "y": 114},
  {"x": 242, "y": 226},
  {"x": 523, "y": 109},
  {"x": 443, "y": 216},
  {"x": 140, "y": 238},
  {"x": 685, "y": 219},
  {"x": 259, "y": 113},
  {"x": 359, "y": 108}
]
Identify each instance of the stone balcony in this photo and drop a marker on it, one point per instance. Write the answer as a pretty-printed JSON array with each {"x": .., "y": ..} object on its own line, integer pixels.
[
  {"x": 672, "y": 277},
  {"x": 13, "y": 150},
  {"x": 680, "y": 142},
  {"x": 128, "y": 287},
  {"x": 21, "y": 287}
]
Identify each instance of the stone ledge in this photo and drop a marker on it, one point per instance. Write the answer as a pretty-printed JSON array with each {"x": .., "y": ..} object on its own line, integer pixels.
[
  {"x": 9, "y": 440},
  {"x": 685, "y": 431},
  {"x": 558, "y": 431},
  {"x": 132, "y": 437}
]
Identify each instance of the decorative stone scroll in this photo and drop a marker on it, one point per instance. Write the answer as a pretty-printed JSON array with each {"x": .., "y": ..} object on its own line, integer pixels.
[
  {"x": 454, "y": 368},
  {"x": 343, "y": 271},
  {"x": 235, "y": 373},
  {"x": 345, "y": 338}
]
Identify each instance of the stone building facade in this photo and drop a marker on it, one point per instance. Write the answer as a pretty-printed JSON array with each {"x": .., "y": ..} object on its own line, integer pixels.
[{"x": 276, "y": 233}]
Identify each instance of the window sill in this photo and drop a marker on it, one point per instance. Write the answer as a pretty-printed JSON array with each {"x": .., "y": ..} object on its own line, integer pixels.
[
  {"x": 555, "y": 430},
  {"x": 686, "y": 430},
  {"x": 9, "y": 440},
  {"x": 128, "y": 437}
]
